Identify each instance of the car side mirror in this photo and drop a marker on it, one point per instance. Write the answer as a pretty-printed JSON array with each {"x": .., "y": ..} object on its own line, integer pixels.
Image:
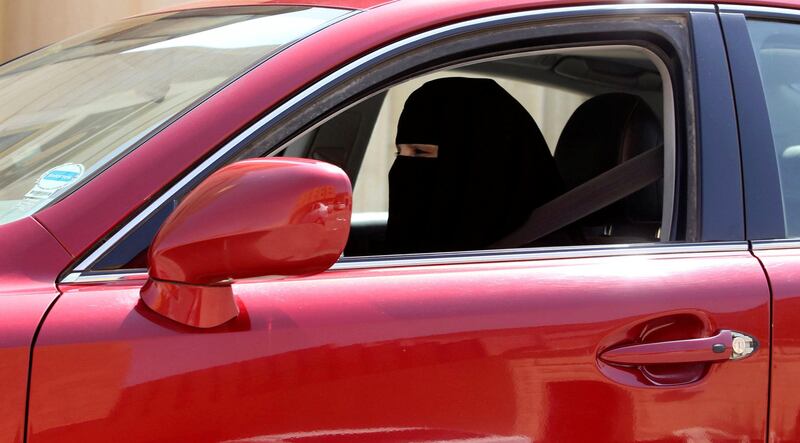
[{"x": 255, "y": 218}]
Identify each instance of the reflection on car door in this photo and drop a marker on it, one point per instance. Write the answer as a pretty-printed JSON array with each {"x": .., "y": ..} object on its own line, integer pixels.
[{"x": 505, "y": 349}]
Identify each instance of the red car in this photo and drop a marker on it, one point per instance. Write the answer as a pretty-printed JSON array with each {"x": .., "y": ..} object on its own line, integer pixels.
[{"x": 571, "y": 221}]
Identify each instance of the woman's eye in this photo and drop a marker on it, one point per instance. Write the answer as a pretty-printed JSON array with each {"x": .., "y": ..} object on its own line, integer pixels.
[{"x": 412, "y": 150}]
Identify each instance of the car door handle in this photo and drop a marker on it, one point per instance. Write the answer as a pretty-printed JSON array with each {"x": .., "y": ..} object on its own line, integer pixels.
[{"x": 726, "y": 345}]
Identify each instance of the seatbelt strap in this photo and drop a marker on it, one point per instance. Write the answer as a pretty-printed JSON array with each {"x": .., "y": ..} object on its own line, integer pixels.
[{"x": 588, "y": 198}]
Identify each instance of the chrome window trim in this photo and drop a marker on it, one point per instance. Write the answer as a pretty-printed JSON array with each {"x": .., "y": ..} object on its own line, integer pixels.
[
  {"x": 473, "y": 257},
  {"x": 768, "y": 11},
  {"x": 548, "y": 253},
  {"x": 767, "y": 245},
  {"x": 79, "y": 278},
  {"x": 385, "y": 51}
]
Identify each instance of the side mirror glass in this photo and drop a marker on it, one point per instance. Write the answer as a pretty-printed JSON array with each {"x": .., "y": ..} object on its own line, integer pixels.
[{"x": 255, "y": 218}]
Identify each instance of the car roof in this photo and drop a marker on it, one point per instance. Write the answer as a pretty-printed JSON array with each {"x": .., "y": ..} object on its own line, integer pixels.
[
  {"x": 367, "y": 4},
  {"x": 346, "y": 4}
]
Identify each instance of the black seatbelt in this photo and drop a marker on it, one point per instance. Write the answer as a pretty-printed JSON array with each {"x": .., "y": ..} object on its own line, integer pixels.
[{"x": 588, "y": 198}]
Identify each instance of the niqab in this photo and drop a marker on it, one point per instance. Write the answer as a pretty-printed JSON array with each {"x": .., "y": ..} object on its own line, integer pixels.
[{"x": 493, "y": 168}]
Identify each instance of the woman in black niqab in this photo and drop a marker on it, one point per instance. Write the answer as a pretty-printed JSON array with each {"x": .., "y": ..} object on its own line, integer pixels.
[{"x": 493, "y": 168}]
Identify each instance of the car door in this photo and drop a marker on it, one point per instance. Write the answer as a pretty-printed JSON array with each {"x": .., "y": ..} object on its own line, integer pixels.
[
  {"x": 765, "y": 69},
  {"x": 587, "y": 343}
]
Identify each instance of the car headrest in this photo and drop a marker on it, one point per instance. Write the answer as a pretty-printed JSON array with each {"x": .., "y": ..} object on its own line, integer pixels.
[{"x": 603, "y": 132}]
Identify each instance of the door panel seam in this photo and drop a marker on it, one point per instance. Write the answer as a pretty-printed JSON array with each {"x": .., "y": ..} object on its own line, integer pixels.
[
  {"x": 768, "y": 425},
  {"x": 30, "y": 365}
]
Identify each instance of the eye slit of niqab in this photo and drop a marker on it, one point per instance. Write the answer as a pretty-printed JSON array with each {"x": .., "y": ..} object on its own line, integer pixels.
[{"x": 418, "y": 150}]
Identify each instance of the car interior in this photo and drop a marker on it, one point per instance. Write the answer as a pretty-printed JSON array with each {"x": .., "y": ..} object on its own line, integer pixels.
[{"x": 599, "y": 108}]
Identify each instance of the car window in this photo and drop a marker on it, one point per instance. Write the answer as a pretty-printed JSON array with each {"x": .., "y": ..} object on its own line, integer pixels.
[
  {"x": 777, "y": 46},
  {"x": 577, "y": 113},
  {"x": 571, "y": 127},
  {"x": 71, "y": 109}
]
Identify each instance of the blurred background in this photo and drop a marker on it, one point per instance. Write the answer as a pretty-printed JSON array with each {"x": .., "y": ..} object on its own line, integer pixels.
[{"x": 26, "y": 25}]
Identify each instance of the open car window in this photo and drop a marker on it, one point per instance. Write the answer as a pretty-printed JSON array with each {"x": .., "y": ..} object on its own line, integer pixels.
[{"x": 594, "y": 109}]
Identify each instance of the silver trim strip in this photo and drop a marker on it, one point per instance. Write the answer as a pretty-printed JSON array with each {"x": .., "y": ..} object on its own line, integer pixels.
[
  {"x": 77, "y": 278},
  {"x": 71, "y": 277},
  {"x": 477, "y": 257},
  {"x": 760, "y": 10},
  {"x": 384, "y": 51},
  {"x": 767, "y": 245},
  {"x": 557, "y": 253}
]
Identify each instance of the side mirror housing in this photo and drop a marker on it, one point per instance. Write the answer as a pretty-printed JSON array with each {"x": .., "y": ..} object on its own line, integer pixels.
[{"x": 254, "y": 218}]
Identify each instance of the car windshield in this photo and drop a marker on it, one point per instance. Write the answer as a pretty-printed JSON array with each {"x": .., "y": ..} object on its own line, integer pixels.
[{"x": 71, "y": 109}]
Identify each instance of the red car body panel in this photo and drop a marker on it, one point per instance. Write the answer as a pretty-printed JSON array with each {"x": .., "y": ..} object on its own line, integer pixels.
[
  {"x": 506, "y": 351},
  {"x": 783, "y": 267},
  {"x": 27, "y": 290},
  {"x": 394, "y": 359}
]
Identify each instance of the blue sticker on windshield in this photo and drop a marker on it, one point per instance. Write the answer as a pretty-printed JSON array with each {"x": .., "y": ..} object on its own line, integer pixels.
[
  {"x": 61, "y": 176},
  {"x": 55, "y": 179}
]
